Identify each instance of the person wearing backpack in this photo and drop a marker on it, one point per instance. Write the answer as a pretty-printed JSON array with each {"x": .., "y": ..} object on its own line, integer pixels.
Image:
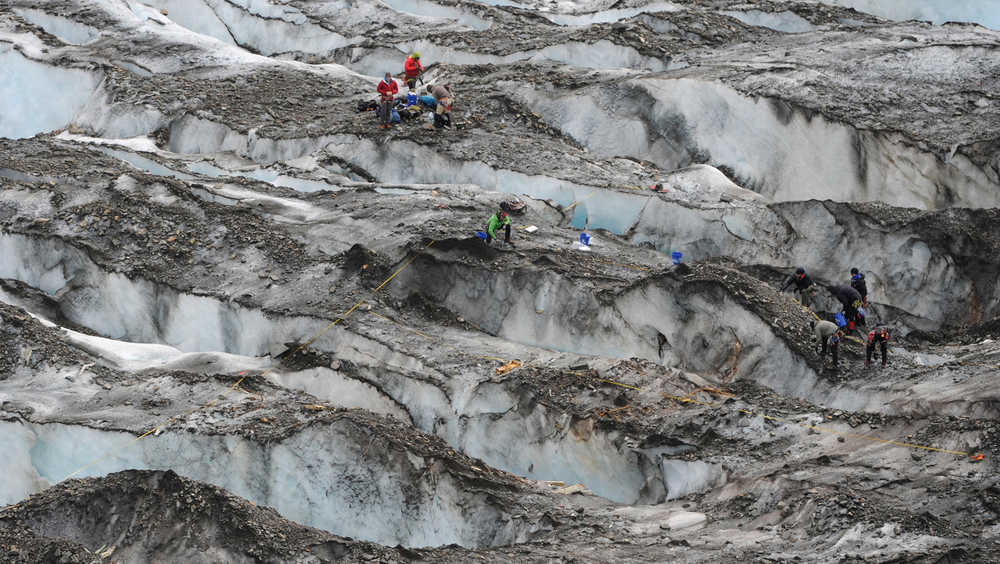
[
  {"x": 442, "y": 114},
  {"x": 851, "y": 300},
  {"x": 387, "y": 90},
  {"x": 412, "y": 69}
]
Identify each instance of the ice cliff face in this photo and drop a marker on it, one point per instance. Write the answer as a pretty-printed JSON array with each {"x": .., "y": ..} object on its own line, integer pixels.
[{"x": 203, "y": 244}]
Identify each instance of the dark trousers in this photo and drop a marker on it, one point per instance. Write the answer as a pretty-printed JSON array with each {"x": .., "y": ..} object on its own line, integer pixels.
[
  {"x": 806, "y": 296},
  {"x": 850, "y": 316},
  {"x": 385, "y": 112},
  {"x": 834, "y": 347},
  {"x": 506, "y": 236},
  {"x": 871, "y": 348},
  {"x": 442, "y": 120}
]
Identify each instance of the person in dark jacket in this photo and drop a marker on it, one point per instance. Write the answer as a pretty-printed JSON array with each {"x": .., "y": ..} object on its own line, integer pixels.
[
  {"x": 803, "y": 286},
  {"x": 387, "y": 90},
  {"x": 859, "y": 284},
  {"x": 878, "y": 337},
  {"x": 850, "y": 299}
]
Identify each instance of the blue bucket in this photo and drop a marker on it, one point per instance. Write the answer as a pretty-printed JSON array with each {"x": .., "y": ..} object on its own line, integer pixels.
[
  {"x": 411, "y": 99},
  {"x": 839, "y": 318},
  {"x": 481, "y": 235},
  {"x": 676, "y": 255},
  {"x": 584, "y": 239}
]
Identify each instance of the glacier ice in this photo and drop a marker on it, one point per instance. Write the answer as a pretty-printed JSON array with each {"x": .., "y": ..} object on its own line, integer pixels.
[
  {"x": 983, "y": 12},
  {"x": 609, "y": 16},
  {"x": 683, "y": 477},
  {"x": 141, "y": 311},
  {"x": 326, "y": 477},
  {"x": 263, "y": 27},
  {"x": 768, "y": 146},
  {"x": 788, "y": 22},
  {"x": 601, "y": 54},
  {"x": 66, "y": 29},
  {"x": 39, "y": 97},
  {"x": 428, "y": 9}
]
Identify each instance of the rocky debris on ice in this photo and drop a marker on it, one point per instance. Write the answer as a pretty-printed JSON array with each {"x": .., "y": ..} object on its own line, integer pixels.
[{"x": 213, "y": 197}]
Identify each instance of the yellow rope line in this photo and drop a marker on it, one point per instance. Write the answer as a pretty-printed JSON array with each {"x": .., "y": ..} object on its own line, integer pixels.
[{"x": 574, "y": 204}]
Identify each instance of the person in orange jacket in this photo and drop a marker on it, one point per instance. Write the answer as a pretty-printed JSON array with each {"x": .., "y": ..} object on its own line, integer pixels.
[
  {"x": 412, "y": 69},
  {"x": 387, "y": 90}
]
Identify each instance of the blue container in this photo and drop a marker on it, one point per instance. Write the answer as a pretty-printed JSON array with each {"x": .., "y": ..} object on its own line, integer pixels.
[
  {"x": 411, "y": 99},
  {"x": 839, "y": 318},
  {"x": 584, "y": 239},
  {"x": 676, "y": 255},
  {"x": 481, "y": 235}
]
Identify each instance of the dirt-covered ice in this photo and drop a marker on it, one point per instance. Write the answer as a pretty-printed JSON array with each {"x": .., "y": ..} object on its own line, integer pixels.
[{"x": 242, "y": 323}]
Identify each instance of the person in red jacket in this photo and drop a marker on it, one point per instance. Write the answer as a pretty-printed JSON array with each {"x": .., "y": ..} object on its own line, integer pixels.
[
  {"x": 387, "y": 90},
  {"x": 880, "y": 338},
  {"x": 412, "y": 69}
]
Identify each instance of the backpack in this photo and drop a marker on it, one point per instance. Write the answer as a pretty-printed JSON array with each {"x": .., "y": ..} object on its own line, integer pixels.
[
  {"x": 839, "y": 318},
  {"x": 513, "y": 207}
]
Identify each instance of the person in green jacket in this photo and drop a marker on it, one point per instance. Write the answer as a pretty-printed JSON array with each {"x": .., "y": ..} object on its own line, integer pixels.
[{"x": 497, "y": 220}]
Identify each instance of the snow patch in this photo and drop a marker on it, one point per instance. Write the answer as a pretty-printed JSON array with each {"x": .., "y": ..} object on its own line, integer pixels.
[{"x": 260, "y": 26}]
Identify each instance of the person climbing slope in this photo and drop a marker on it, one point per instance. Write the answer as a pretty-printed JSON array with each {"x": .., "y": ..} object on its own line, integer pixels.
[
  {"x": 879, "y": 337},
  {"x": 850, "y": 299},
  {"x": 825, "y": 332},
  {"x": 499, "y": 219},
  {"x": 387, "y": 90},
  {"x": 859, "y": 284},
  {"x": 803, "y": 286},
  {"x": 412, "y": 70},
  {"x": 835, "y": 345}
]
